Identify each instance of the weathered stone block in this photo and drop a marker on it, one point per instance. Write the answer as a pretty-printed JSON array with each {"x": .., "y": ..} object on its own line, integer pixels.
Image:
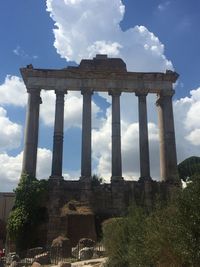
[{"x": 86, "y": 253}]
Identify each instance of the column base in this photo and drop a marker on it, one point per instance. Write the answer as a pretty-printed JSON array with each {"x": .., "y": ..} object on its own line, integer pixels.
[{"x": 115, "y": 179}]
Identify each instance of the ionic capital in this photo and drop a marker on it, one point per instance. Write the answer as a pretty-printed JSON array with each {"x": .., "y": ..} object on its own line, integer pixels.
[
  {"x": 169, "y": 92},
  {"x": 143, "y": 92},
  {"x": 33, "y": 91},
  {"x": 86, "y": 91},
  {"x": 60, "y": 91},
  {"x": 35, "y": 95},
  {"x": 164, "y": 95},
  {"x": 114, "y": 92}
]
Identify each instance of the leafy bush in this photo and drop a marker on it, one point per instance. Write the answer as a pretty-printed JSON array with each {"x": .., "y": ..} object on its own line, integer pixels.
[
  {"x": 168, "y": 236},
  {"x": 116, "y": 241},
  {"x": 28, "y": 211},
  {"x": 189, "y": 167}
]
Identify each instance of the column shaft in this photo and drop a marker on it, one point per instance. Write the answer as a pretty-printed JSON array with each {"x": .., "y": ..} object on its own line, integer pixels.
[
  {"x": 168, "y": 158},
  {"x": 31, "y": 133},
  {"x": 86, "y": 135},
  {"x": 116, "y": 136},
  {"x": 57, "y": 158},
  {"x": 143, "y": 136}
]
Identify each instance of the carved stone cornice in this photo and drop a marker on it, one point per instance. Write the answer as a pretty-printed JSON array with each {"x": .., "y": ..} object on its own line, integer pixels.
[{"x": 99, "y": 74}]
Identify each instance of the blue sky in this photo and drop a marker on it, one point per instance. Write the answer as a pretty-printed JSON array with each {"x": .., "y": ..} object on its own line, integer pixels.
[{"x": 151, "y": 35}]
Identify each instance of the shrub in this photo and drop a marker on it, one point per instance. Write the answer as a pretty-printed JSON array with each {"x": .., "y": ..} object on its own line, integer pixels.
[{"x": 28, "y": 211}]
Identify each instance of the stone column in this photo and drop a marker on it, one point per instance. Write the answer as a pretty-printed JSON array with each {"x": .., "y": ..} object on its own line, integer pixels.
[
  {"x": 31, "y": 132},
  {"x": 86, "y": 134},
  {"x": 168, "y": 158},
  {"x": 143, "y": 136},
  {"x": 57, "y": 159},
  {"x": 116, "y": 136}
]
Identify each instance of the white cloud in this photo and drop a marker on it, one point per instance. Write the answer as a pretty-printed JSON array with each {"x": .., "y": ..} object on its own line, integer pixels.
[
  {"x": 13, "y": 92},
  {"x": 164, "y": 5},
  {"x": 10, "y": 132},
  {"x": 82, "y": 29},
  {"x": 187, "y": 124},
  {"x": 11, "y": 167},
  {"x": 44, "y": 163},
  {"x": 101, "y": 142},
  {"x": 192, "y": 120},
  {"x": 18, "y": 51},
  {"x": 85, "y": 28},
  {"x": 73, "y": 109},
  {"x": 186, "y": 136},
  {"x": 187, "y": 128},
  {"x": 193, "y": 137}
]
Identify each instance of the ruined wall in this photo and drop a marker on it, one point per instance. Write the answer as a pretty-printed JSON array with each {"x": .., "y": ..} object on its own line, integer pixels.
[
  {"x": 104, "y": 200},
  {"x": 6, "y": 204}
]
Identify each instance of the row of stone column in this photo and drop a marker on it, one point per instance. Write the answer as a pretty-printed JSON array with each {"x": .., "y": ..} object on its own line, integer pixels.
[{"x": 168, "y": 161}]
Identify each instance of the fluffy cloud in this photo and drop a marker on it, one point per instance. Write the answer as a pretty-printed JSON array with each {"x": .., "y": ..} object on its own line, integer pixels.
[
  {"x": 187, "y": 124},
  {"x": 193, "y": 137},
  {"x": 192, "y": 120},
  {"x": 13, "y": 92},
  {"x": 10, "y": 132},
  {"x": 86, "y": 28},
  {"x": 11, "y": 167},
  {"x": 130, "y": 148},
  {"x": 73, "y": 109},
  {"x": 82, "y": 29},
  {"x": 187, "y": 127}
]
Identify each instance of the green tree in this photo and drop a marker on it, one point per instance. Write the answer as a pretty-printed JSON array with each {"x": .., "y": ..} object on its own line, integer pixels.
[
  {"x": 28, "y": 211},
  {"x": 189, "y": 167},
  {"x": 97, "y": 180}
]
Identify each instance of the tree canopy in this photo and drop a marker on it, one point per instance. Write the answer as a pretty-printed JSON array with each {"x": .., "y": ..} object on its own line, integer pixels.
[{"x": 189, "y": 167}]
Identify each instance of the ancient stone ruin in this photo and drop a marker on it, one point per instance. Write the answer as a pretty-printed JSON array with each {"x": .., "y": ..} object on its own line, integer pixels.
[{"x": 103, "y": 200}]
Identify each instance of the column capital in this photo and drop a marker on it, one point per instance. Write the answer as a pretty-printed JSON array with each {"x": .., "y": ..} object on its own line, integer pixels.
[
  {"x": 60, "y": 91},
  {"x": 143, "y": 92},
  {"x": 35, "y": 95},
  {"x": 169, "y": 92},
  {"x": 86, "y": 91},
  {"x": 163, "y": 95},
  {"x": 33, "y": 90},
  {"x": 113, "y": 92}
]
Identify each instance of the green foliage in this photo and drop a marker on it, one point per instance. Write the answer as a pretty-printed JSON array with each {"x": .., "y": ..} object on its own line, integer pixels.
[
  {"x": 189, "y": 167},
  {"x": 137, "y": 250},
  {"x": 168, "y": 236},
  {"x": 28, "y": 211},
  {"x": 189, "y": 219},
  {"x": 116, "y": 241},
  {"x": 97, "y": 180},
  {"x": 124, "y": 240}
]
